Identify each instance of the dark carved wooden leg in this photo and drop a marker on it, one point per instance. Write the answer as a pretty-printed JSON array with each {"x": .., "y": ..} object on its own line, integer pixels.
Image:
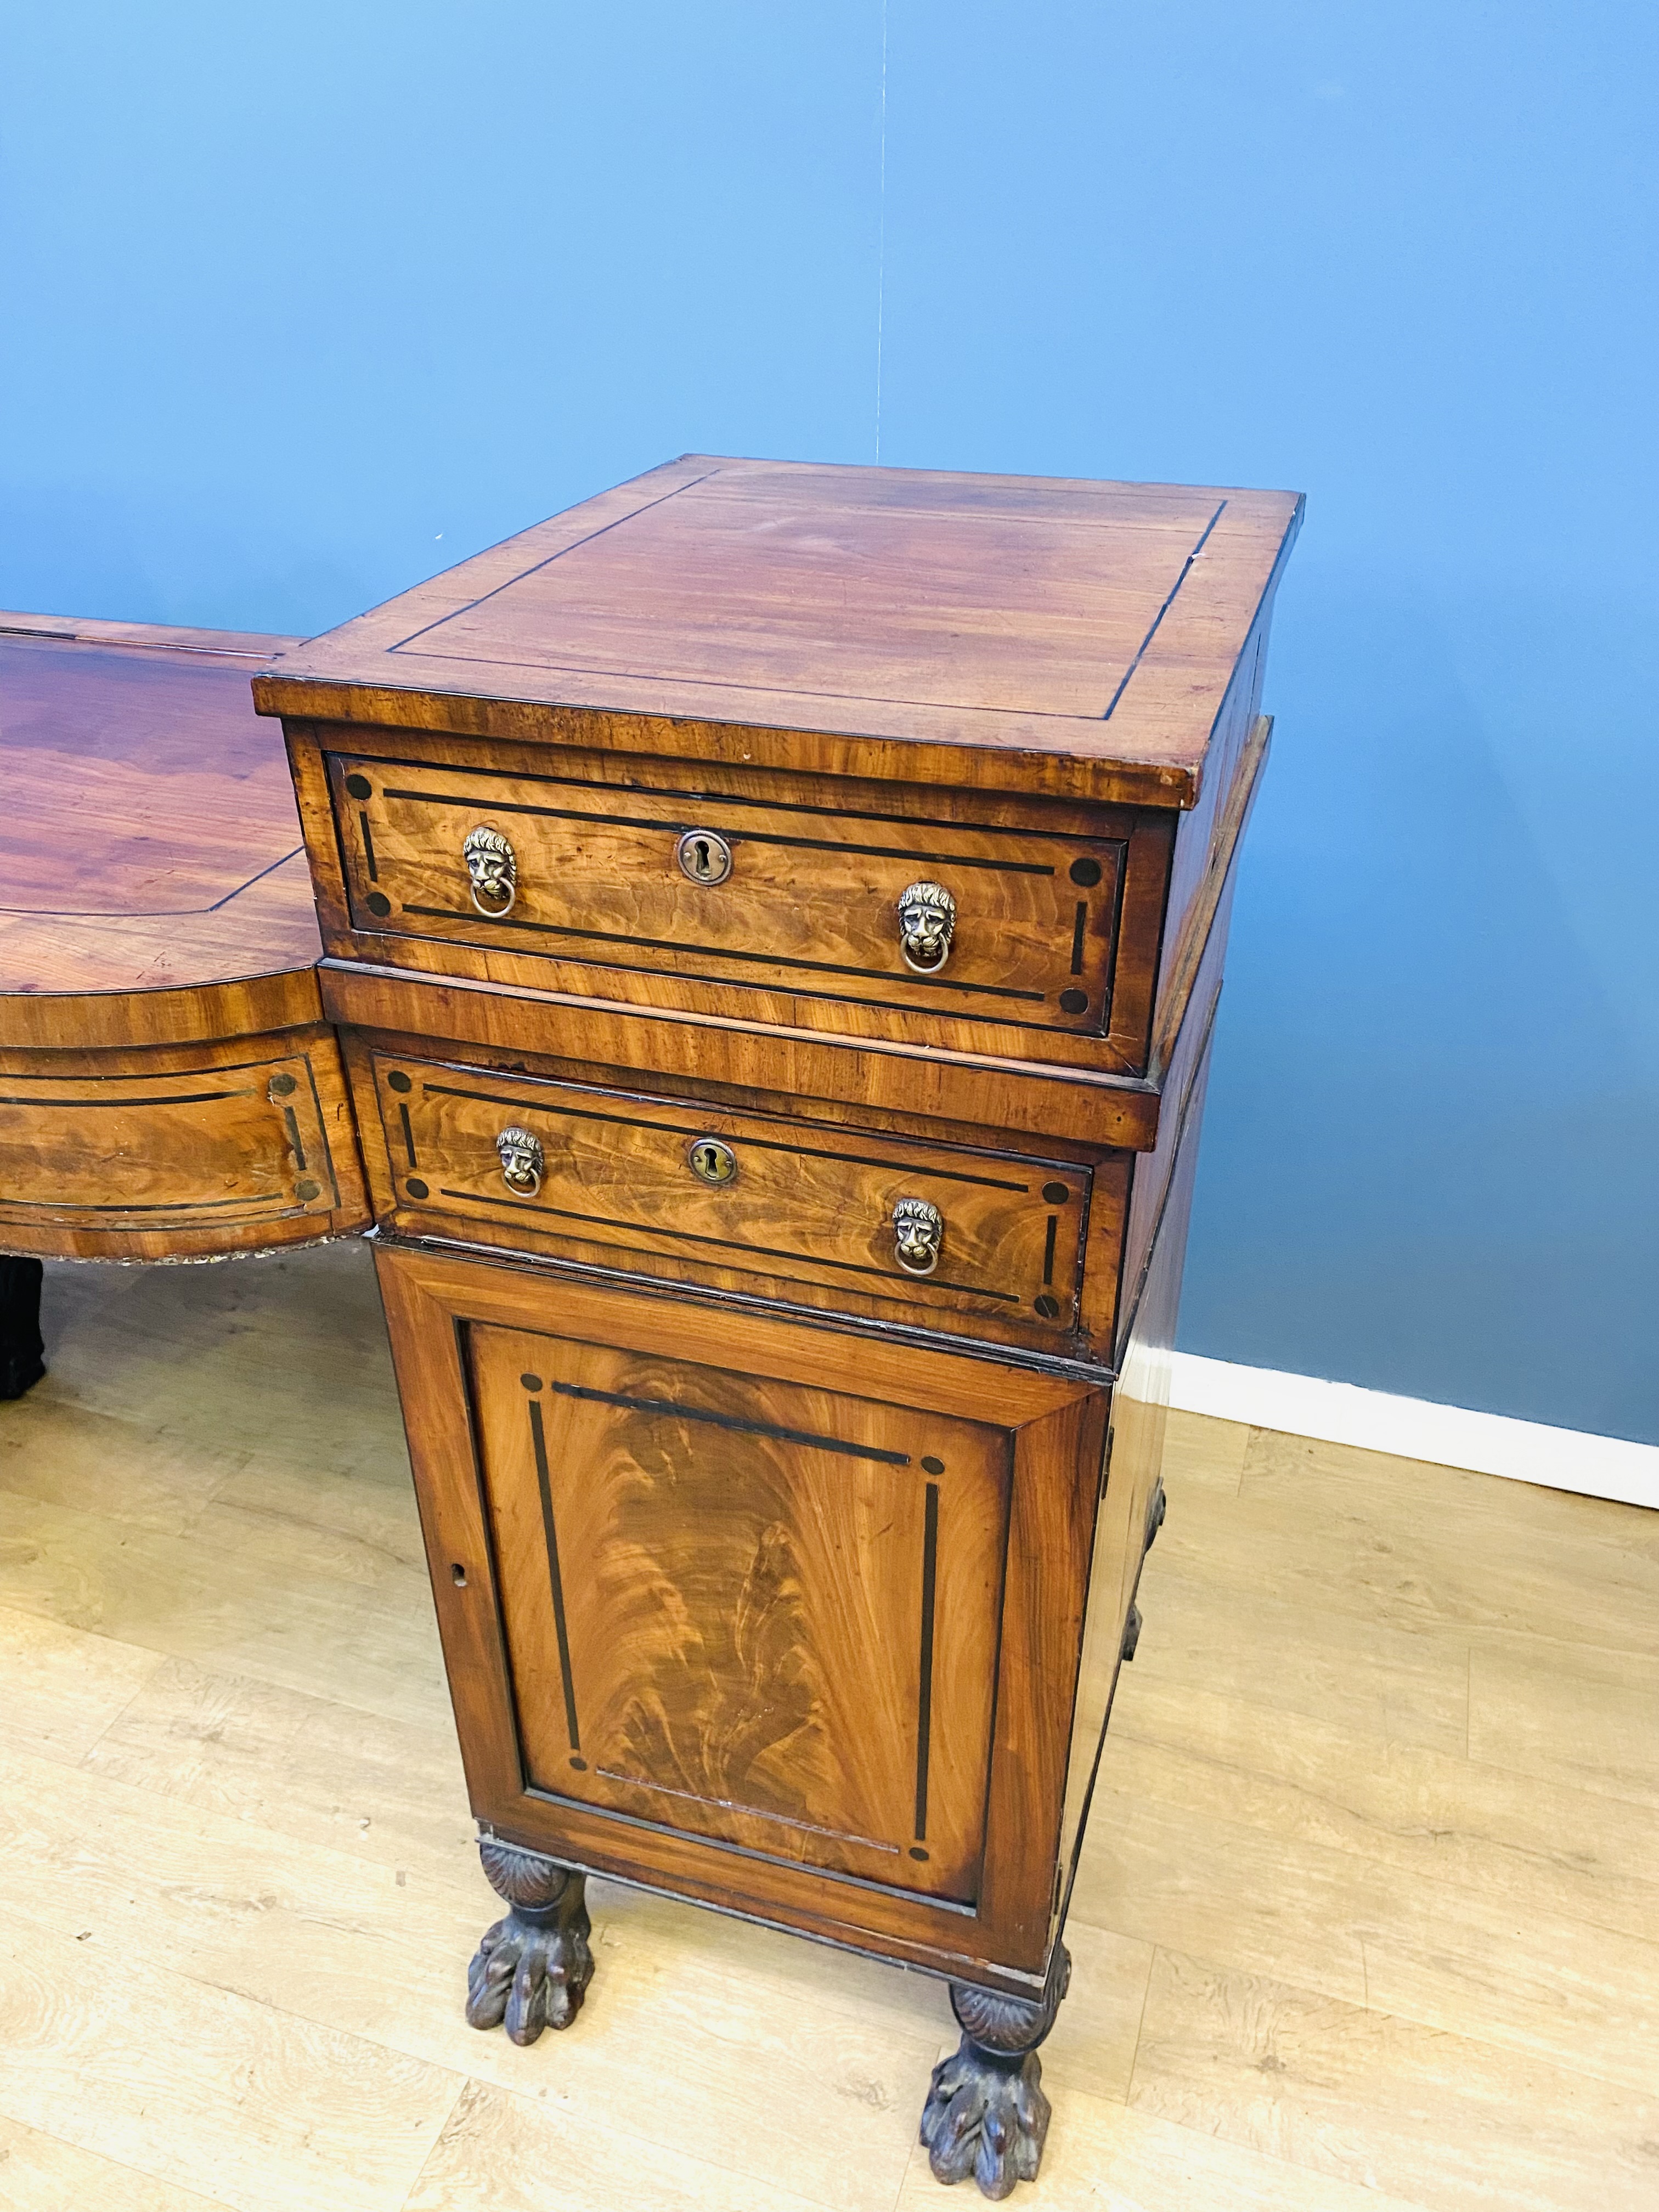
[
  {"x": 21, "y": 1365},
  {"x": 532, "y": 1968},
  {"x": 986, "y": 2113}
]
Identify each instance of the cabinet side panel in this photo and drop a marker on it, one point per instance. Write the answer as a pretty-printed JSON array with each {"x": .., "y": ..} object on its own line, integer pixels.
[
  {"x": 1152, "y": 1173},
  {"x": 1201, "y": 827},
  {"x": 1056, "y": 1487},
  {"x": 1140, "y": 1408}
]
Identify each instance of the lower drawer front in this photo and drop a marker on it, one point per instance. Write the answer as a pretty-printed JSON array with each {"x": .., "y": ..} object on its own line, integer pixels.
[
  {"x": 978, "y": 1242},
  {"x": 179, "y": 1152}
]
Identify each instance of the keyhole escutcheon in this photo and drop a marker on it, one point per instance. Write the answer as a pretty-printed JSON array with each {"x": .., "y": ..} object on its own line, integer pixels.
[
  {"x": 704, "y": 856},
  {"x": 711, "y": 1160}
]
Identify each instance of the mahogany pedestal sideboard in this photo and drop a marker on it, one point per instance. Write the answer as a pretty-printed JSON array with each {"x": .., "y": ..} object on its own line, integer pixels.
[
  {"x": 169, "y": 1089},
  {"x": 774, "y": 916}
]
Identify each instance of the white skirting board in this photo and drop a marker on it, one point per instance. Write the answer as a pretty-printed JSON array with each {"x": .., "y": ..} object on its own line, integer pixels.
[{"x": 1414, "y": 1428}]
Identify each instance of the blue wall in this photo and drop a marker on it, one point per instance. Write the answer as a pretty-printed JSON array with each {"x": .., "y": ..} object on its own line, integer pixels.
[{"x": 302, "y": 304}]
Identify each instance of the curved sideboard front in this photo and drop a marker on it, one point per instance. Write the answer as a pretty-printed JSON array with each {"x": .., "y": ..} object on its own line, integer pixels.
[{"x": 168, "y": 1088}]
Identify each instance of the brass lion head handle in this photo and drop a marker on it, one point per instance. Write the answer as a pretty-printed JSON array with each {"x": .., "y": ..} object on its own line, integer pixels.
[
  {"x": 492, "y": 867},
  {"x": 927, "y": 921},
  {"x": 522, "y": 1161},
  {"x": 918, "y": 1234}
]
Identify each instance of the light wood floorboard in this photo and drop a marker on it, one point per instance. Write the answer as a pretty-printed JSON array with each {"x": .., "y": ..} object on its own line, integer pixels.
[
  {"x": 43, "y": 2173},
  {"x": 1369, "y": 1916}
]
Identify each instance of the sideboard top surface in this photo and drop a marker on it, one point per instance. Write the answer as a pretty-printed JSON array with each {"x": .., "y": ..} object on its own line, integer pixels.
[
  {"x": 150, "y": 844},
  {"x": 1016, "y": 632}
]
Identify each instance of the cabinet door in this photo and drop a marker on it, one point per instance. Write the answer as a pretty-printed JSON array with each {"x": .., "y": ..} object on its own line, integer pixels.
[
  {"x": 745, "y": 1608},
  {"x": 769, "y": 1614}
]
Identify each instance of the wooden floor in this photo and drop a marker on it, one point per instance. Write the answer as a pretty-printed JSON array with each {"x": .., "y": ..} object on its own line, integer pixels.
[{"x": 1370, "y": 1917}]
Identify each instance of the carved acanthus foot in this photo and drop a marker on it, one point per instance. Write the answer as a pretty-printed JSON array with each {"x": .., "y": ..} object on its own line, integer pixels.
[
  {"x": 986, "y": 2113},
  {"x": 531, "y": 1969},
  {"x": 21, "y": 1361}
]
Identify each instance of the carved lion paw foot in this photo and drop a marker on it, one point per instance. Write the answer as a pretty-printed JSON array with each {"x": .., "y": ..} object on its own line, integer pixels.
[
  {"x": 531, "y": 1969},
  {"x": 985, "y": 2116},
  {"x": 529, "y": 1978},
  {"x": 986, "y": 2113}
]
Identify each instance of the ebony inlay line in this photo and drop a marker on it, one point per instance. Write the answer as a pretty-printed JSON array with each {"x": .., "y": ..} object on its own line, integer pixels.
[
  {"x": 408, "y": 1135},
  {"x": 584, "y": 669},
  {"x": 635, "y": 1253},
  {"x": 179, "y": 1205},
  {"x": 130, "y": 644},
  {"x": 724, "y": 952},
  {"x": 541, "y": 1794},
  {"x": 368, "y": 848},
  {"x": 291, "y": 1123},
  {"x": 442, "y": 621},
  {"x": 750, "y": 1812},
  {"x": 1048, "y": 1248},
  {"x": 1078, "y": 928},
  {"x": 172, "y": 1098},
  {"x": 1141, "y": 652},
  {"x": 684, "y": 1129},
  {"x": 326, "y": 1165},
  {"x": 862, "y": 1001},
  {"x": 748, "y": 836},
  {"x": 924, "y": 1687},
  {"x": 544, "y": 1483},
  {"x": 732, "y": 1421},
  {"x": 724, "y": 1243}
]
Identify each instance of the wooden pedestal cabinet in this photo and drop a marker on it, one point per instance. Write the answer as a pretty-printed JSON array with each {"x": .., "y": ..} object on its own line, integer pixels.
[{"x": 774, "y": 916}]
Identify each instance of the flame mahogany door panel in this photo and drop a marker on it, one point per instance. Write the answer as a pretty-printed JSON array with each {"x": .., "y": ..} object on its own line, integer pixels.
[
  {"x": 750, "y": 1608},
  {"x": 743, "y": 1608}
]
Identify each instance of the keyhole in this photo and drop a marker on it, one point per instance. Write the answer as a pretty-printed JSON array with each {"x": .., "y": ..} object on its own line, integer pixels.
[
  {"x": 704, "y": 856},
  {"x": 711, "y": 1160}
]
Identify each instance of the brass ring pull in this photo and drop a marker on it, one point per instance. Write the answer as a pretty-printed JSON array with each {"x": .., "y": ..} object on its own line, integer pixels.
[
  {"x": 522, "y": 1162},
  {"x": 928, "y": 922},
  {"x": 918, "y": 1234},
  {"x": 492, "y": 868}
]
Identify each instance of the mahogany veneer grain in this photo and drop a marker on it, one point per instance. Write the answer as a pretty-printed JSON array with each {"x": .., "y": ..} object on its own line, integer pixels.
[{"x": 169, "y": 1086}]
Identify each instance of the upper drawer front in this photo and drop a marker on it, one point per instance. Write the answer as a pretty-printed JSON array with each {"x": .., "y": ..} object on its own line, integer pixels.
[
  {"x": 767, "y": 896},
  {"x": 667, "y": 1186}
]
